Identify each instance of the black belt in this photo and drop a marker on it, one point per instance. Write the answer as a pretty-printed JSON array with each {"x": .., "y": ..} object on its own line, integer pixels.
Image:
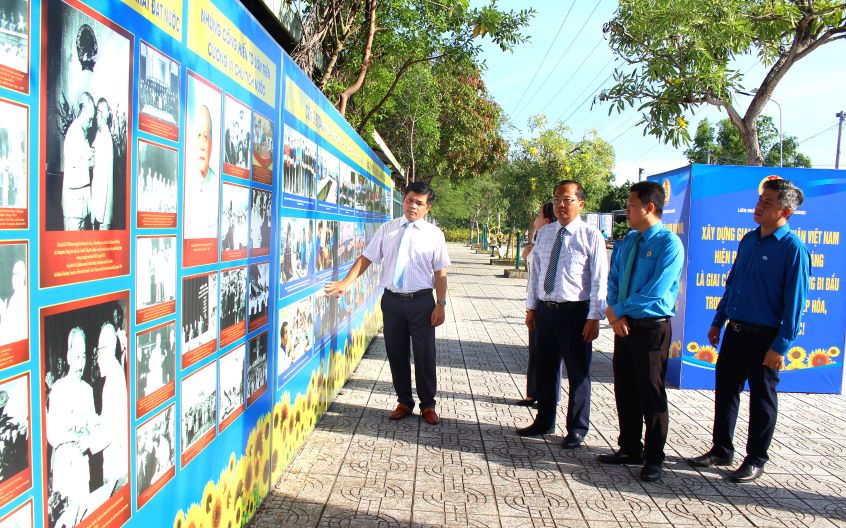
[
  {"x": 740, "y": 326},
  {"x": 409, "y": 296},
  {"x": 552, "y": 305},
  {"x": 646, "y": 322}
]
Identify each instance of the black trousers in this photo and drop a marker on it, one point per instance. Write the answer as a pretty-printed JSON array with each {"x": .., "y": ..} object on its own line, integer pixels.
[
  {"x": 408, "y": 325},
  {"x": 640, "y": 364},
  {"x": 558, "y": 335},
  {"x": 532, "y": 370},
  {"x": 741, "y": 359}
]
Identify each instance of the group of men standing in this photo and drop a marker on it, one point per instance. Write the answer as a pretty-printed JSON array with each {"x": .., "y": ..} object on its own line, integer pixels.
[{"x": 571, "y": 289}]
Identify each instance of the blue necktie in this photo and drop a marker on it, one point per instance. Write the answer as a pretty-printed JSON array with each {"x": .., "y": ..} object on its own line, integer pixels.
[
  {"x": 402, "y": 257},
  {"x": 626, "y": 278},
  {"x": 552, "y": 268}
]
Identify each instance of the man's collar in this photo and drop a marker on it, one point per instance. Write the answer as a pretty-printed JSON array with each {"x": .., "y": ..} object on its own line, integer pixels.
[
  {"x": 573, "y": 225},
  {"x": 653, "y": 229},
  {"x": 779, "y": 233}
]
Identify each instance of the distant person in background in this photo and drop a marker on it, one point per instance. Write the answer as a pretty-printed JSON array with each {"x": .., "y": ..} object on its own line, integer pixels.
[{"x": 545, "y": 216}]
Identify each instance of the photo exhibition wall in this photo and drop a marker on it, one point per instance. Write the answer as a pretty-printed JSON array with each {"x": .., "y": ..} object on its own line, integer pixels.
[{"x": 174, "y": 193}]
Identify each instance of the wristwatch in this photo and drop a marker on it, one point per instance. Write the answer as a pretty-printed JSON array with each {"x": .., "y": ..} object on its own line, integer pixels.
[{"x": 442, "y": 302}]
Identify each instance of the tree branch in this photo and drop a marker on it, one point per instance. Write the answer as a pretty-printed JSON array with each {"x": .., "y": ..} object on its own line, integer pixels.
[{"x": 365, "y": 61}]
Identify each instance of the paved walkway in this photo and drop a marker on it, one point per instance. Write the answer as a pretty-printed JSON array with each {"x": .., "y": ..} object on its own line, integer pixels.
[{"x": 358, "y": 469}]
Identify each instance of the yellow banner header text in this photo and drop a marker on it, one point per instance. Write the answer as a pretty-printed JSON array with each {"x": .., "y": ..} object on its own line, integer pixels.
[{"x": 166, "y": 14}]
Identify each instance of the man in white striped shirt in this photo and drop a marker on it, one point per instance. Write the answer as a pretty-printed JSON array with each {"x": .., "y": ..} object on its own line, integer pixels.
[
  {"x": 564, "y": 304},
  {"x": 414, "y": 259}
]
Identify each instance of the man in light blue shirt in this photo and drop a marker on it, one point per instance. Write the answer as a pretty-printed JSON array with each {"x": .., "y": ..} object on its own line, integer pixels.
[
  {"x": 765, "y": 295},
  {"x": 642, "y": 288}
]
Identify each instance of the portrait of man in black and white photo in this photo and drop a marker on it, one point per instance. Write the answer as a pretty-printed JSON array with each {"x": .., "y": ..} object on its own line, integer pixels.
[
  {"x": 199, "y": 404},
  {"x": 87, "y": 130},
  {"x": 237, "y": 122},
  {"x": 155, "y": 449},
  {"x": 14, "y": 427},
  {"x": 158, "y": 91},
  {"x": 14, "y": 294},
  {"x": 199, "y": 311},
  {"x": 86, "y": 419},
  {"x": 260, "y": 223},
  {"x": 259, "y": 293},
  {"x": 235, "y": 215},
  {"x": 14, "y": 132},
  {"x": 263, "y": 149},
  {"x": 156, "y": 180},
  {"x": 155, "y": 359},
  {"x": 155, "y": 272},
  {"x": 233, "y": 296},
  {"x": 231, "y": 393},
  {"x": 257, "y": 365}
]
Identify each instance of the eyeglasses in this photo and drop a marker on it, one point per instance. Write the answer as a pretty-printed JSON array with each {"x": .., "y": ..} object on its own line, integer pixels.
[
  {"x": 565, "y": 200},
  {"x": 411, "y": 201}
]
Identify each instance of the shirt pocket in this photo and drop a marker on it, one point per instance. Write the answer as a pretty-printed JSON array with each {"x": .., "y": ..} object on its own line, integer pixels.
[{"x": 575, "y": 260}]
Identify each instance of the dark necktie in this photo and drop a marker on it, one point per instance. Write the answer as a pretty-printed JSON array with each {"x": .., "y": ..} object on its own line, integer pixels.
[
  {"x": 625, "y": 279},
  {"x": 552, "y": 268}
]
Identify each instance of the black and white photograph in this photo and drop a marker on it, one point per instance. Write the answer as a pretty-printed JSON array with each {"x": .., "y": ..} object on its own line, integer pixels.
[
  {"x": 199, "y": 315},
  {"x": 14, "y": 176},
  {"x": 327, "y": 239},
  {"x": 299, "y": 164},
  {"x": 86, "y": 119},
  {"x": 256, "y": 367},
  {"x": 14, "y": 294},
  {"x": 155, "y": 452},
  {"x": 261, "y": 214},
  {"x": 346, "y": 192},
  {"x": 14, "y": 428},
  {"x": 233, "y": 297},
  {"x": 231, "y": 388},
  {"x": 158, "y": 93},
  {"x": 297, "y": 248},
  {"x": 199, "y": 406},
  {"x": 259, "y": 294},
  {"x": 86, "y": 419},
  {"x": 237, "y": 122},
  {"x": 263, "y": 149},
  {"x": 296, "y": 332},
  {"x": 155, "y": 182},
  {"x": 235, "y": 229},
  {"x": 201, "y": 188},
  {"x": 23, "y": 517},
  {"x": 155, "y": 359},
  {"x": 328, "y": 173},
  {"x": 155, "y": 276},
  {"x": 14, "y": 44}
]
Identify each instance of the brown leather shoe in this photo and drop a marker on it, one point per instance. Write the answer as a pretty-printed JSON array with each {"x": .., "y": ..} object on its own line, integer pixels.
[
  {"x": 430, "y": 415},
  {"x": 400, "y": 412}
]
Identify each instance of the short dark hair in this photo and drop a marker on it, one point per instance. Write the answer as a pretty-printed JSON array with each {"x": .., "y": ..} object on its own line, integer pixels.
[
  {"x": 547, "y": 211},
  {"x": 789, "y": 196},
  {"x": 580, "y": 191},
  {"x": 650, "y": 192},
  {"x": 422, "y": 188}
]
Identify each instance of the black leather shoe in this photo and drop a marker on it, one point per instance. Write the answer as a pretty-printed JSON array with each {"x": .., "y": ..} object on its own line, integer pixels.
[
  {"x": 710, "y": 459},
  {"x": 526, "y": 402},
  {"x": 651, "y": 472},
  {"x": 747, "y": 472},
  {"x": 572, "y": 440},
  {"x": 535, "y": 429},
  {"x": 621, "y": 458}
]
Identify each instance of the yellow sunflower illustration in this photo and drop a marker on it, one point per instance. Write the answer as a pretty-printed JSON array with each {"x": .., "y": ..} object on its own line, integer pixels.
[
  {"x": 819, "y": 358},
  {"x": 707, "y": 353},
  {"x": 796, "y": 353},
  {"x": 692, "y": 347},
  {"x": 833, "y": 352}
]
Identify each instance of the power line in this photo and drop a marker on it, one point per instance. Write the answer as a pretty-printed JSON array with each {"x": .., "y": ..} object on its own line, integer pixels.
[
  {"x": 826, "y": 129},
  {"x": 561, "y": 58},
  {"x": 572, "y": 75},
  {"x": 588, "y": 97},
  {"x": 522, "y": 100}
]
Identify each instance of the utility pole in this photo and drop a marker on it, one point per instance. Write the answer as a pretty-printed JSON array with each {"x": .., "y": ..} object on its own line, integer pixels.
[
  {"x": 839, "y": 114},
  {"x": 639, "y": 174}
]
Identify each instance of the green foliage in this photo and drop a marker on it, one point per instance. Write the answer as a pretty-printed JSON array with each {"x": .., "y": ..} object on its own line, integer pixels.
[
  {"x": 615, "y": 198},
  {"x": 456, "y": 234},
  {"x": 724, "y": 146},
  {"x": 620, "y": 229},
  {"x": 459, "y": 204}
]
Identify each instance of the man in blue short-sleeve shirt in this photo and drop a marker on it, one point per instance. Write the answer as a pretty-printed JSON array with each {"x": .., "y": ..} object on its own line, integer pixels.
[
  {"x": 763, "y": 303},
  {"x": 642, "y": 287}
]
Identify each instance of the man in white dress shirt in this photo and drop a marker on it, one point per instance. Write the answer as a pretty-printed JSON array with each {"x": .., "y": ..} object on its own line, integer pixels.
[
  {"x": 414, "y": 259},
  {"x": 564, "y": 304}
]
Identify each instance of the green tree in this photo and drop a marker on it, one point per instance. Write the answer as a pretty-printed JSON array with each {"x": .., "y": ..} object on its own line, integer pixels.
[
  {"x": 615, "y": 198},
  {"x": 724, "y": 145},
  {"x": 679, "y": 54}
]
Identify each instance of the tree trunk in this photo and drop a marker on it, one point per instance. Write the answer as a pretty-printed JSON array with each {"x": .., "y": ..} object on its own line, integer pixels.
[
  {"x": 365, "y": 61},
  {"x": 413, "y": 167},
  {"x": 749, "y": 133}
]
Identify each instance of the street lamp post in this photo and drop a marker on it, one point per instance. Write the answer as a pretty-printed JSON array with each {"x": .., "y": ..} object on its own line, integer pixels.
[{"x": 780, "y": 129}]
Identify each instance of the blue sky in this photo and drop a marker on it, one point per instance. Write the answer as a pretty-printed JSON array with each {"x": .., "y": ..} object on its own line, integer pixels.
[{"x": 810, "y": 95}]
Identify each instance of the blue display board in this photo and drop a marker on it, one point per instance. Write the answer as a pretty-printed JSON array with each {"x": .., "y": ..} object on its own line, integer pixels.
[
  {"x": 174, "y": 192},
  {"x": 710, "y": 207}
]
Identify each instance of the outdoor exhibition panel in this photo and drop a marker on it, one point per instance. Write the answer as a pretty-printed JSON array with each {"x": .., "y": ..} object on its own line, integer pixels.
[
  {"x": 710, "y": 207},
  {"x": 174, "y": 193}
]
